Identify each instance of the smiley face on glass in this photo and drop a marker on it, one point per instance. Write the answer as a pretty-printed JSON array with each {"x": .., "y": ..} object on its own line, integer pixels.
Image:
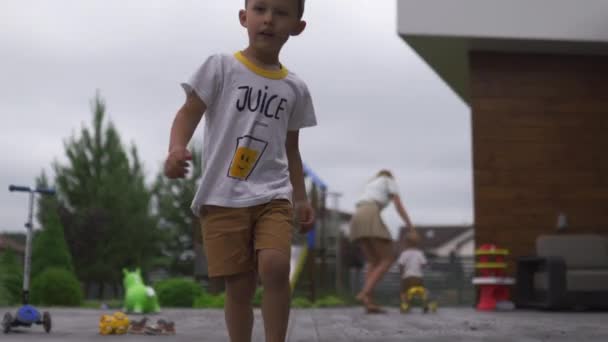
[
  {"x": 248, "y": 152},
  {"x": 243, "y": 162}
]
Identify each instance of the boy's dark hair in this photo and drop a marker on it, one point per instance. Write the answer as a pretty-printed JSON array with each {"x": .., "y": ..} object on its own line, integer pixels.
[{"x": 300, "y": 7}]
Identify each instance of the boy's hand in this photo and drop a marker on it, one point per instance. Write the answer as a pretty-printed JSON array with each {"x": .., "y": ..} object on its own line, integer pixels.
[
  {"x": 305, "y": 215},
  {"x": 176, "y": 165}
]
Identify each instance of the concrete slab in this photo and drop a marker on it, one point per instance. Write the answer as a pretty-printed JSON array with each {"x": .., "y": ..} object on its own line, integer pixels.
[{"x": 348, "y": 324}]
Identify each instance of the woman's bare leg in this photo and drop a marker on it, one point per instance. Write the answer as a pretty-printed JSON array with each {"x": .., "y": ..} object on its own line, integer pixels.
[{"x": 381, "y": 257}]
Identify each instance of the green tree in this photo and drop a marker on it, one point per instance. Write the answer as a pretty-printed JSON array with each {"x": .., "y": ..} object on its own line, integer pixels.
[
  {"x": 49, "y": 248},
  {"x": 179, "y": 225},
  {"x": 45, "y": 203},
  {"x": 105, "y": 204}
]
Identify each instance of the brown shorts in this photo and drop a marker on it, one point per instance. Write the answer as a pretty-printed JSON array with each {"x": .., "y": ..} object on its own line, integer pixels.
[
  {"x": 233, "y": 236},
  {"x": 409, "y": 282}
]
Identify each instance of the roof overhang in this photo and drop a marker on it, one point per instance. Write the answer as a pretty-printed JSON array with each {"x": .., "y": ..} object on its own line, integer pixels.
[{"x": 444, "y": 32}]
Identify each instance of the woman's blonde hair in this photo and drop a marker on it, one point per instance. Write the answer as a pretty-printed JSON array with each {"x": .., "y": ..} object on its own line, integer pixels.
[
  {"x": 385, "y": 173},
  {"x": 382, "y": 173}
]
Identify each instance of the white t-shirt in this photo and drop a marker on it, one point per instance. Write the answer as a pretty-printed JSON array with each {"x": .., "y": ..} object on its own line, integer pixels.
[
  {"x": 381, "y": 189},
  {"x": 249, "y": 111},
  {"x": 412, "y": 260}
]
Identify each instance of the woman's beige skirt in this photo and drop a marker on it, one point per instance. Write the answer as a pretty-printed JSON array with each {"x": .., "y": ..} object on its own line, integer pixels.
[{"x": 367, "y": 223}]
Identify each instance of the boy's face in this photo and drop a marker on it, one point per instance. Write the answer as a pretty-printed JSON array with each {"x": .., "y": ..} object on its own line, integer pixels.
[{"x": 269, "y": 23}]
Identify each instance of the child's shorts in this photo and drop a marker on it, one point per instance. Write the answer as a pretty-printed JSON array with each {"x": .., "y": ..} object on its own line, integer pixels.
[
  {"x": 409, "y": 282},
  {"x": 233, "y": 236}
]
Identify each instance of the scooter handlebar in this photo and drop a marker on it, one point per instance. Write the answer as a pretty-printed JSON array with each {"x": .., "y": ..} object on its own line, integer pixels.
[
  {"x": 18, "y": 188},
  {"x": 46, "y": 191}
]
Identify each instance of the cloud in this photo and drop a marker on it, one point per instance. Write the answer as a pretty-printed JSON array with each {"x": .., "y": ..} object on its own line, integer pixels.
[{"x": 378, "y": 104}]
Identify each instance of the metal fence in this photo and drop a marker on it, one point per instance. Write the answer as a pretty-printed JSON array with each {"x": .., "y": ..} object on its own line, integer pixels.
[{"x": 448, "y": 279}]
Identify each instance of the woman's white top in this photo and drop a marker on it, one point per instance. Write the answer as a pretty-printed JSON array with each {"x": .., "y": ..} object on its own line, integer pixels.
[{"x": 380, "y": 190}]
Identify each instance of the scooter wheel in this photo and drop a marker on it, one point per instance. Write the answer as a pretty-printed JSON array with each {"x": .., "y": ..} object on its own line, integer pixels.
[
  {"x": 7, "y": 321},
  {"x": 46, "y": 321}
]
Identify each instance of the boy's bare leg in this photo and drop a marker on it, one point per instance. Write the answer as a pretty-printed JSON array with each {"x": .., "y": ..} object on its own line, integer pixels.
[
  {"x": 273, "y": 267},
  {"x": 238, "y": 311}
]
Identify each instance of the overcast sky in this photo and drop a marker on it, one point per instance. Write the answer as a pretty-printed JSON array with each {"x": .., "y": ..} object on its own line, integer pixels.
[{"x": 378, "y": 104}]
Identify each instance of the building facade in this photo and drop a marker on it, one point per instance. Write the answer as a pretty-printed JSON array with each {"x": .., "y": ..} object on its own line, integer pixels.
[{"x": 535, "y": 76}]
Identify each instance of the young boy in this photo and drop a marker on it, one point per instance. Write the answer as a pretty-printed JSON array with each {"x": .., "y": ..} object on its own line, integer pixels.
[
  {"x": 252, "y": 171},
  {"x": 411, "y": 261}
]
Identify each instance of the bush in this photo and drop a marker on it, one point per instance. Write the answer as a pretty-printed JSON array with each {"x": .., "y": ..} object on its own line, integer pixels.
[
  {"x": 11, "y": 279},
  {"x": 325, "y": 302},
  {"x": 209, "y": 301},
  {"x": 257, "y": 297},
  {"x": 13, "y": 285},
  {"x": 4, "y": 296},
  {"x": 329, "y": 302},
  {"x": 177, "y": 292},
  {"x": 300, "y": 302},
  {"x": 56, "y": 286}
]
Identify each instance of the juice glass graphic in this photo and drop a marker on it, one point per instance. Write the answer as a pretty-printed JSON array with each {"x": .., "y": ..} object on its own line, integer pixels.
[{"x": 246, "y": 157}]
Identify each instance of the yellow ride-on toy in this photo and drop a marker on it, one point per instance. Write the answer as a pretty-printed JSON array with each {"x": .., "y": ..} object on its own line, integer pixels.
[{"x": 419, "y": 296}]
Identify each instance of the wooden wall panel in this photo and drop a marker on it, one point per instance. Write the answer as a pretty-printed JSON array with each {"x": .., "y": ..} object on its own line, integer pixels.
[{"x": 540, "y": 146}]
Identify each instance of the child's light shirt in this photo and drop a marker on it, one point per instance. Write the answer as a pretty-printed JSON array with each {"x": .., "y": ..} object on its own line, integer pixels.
[
  {"x": 249, "y": 111},
  {"x": 412, "y": 260},
  {"x": 380, "y": 190}
]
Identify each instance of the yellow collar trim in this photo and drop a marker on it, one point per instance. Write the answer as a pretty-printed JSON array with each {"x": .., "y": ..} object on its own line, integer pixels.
[{"x": 272, "y": 74}]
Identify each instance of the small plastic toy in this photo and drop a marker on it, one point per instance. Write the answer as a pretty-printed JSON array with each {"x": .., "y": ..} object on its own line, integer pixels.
[
  {"x": 491, "y": 279},
  {"x": 105, "y": 324},
  {"x": 162, "y": 327},
  {"x": 138, "y": 327},
  {"x": 120, "y": 324},
  {"x": 417, "y": 295},
  {"x": 27, "y": 314},
  {"x": 116, "y": 324},
  {"x": 139, "y": 298}
]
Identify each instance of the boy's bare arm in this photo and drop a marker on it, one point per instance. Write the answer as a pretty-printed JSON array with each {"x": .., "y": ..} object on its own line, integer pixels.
[
  {"x": 184, "y": 125},
  {"x": 296, "y": 174},
  {"x": 186, "y": 120},
  {"x": 296, "y": 169}
]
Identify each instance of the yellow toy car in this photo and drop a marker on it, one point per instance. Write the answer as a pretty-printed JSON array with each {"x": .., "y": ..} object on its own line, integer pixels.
[
  {"x": 120, "y": 324},
  {"x": 105, "y": 324},
  {"x": 117, "y": 324},
  {"x": 420, "y": 296}
]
